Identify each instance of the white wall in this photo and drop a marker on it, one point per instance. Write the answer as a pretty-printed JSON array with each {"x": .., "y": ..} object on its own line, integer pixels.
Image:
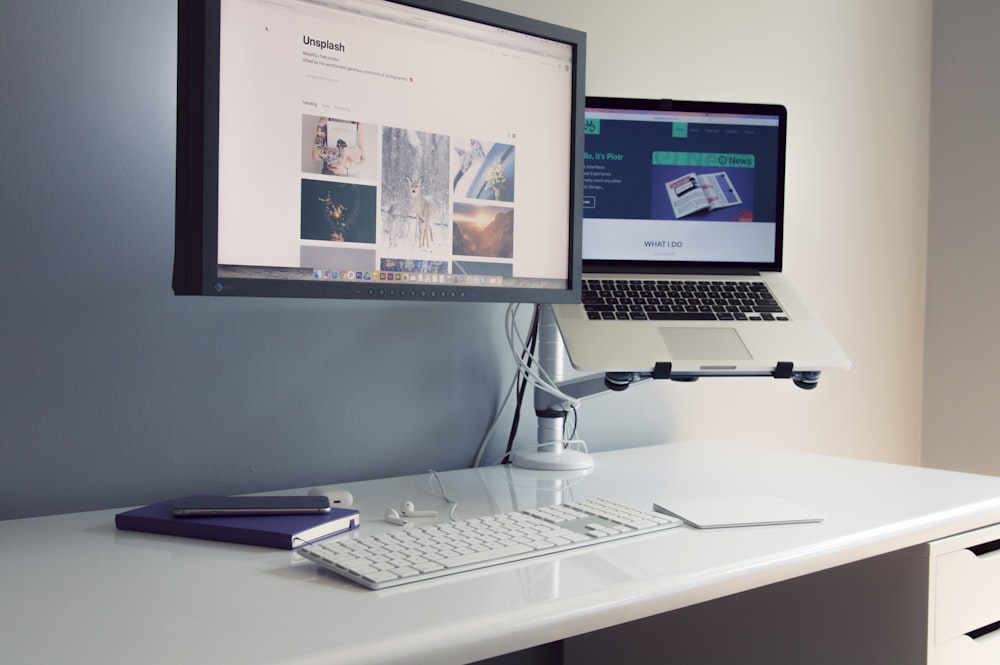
[
  {"x": 855, "y": 76},
  {"x": 961, "y": 418}
]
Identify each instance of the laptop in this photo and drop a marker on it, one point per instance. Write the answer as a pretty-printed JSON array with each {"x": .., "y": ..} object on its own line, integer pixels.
[{"x": 682, "y": 246}]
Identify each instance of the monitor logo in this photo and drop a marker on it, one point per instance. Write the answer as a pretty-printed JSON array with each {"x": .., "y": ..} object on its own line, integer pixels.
[{"x": 218, "y": 287}]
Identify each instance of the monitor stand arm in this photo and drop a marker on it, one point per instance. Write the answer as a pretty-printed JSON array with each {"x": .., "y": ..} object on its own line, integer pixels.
[{"x": 551, "y": 410}]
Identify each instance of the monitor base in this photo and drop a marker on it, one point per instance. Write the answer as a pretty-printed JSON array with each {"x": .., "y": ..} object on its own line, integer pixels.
[{"x": 557, "y": 460}]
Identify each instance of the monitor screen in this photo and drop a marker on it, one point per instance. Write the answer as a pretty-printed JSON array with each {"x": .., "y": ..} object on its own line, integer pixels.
[{"x": 414, "y": 149}]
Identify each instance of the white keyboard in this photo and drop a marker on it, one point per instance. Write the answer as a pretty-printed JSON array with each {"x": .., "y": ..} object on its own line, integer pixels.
[{"x": 416, "y": 553}]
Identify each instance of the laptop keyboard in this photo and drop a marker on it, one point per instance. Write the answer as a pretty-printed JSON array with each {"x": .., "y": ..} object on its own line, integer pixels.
[{"x": 680, "y": 300}]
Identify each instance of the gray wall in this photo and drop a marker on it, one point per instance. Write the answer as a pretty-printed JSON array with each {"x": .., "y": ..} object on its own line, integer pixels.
[
  {"x": 114, "y": 392},
  {"x": 961, "y": 419}
]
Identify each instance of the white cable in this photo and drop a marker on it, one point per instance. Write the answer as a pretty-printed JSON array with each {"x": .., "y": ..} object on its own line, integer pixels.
[
  {"x": 503, "y": 405},
  {"x": 534, "y": 372},
  {"x": 496, "y": 421},
  {"x": 444, "y": 494}
]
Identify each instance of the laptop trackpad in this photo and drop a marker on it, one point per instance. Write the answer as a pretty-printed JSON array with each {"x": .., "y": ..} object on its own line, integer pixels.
[{"x": 705, "y": 344}]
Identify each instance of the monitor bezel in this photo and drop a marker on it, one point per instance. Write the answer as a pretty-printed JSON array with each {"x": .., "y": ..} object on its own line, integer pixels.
[{"x": 196, "y": 269}]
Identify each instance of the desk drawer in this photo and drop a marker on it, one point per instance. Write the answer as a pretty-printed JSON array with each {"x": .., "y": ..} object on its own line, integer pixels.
[
  {"x": 967, "y": 590},
  {"x": 964, "y": 650}
]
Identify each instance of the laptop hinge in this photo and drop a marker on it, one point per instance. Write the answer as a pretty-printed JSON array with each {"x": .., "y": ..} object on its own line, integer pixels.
[
  {"x": 735, "y": 271},
  {"x": 783, "y": 370},
  {"x": 662, "y": 370},
  {"x": 659, "y": 269}
]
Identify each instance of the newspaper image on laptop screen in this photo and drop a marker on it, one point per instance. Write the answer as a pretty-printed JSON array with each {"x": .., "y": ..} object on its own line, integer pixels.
[{"x": 682, "y": 244}]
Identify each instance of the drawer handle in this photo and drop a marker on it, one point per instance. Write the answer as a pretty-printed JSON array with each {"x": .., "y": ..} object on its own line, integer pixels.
[
  {"x": 984, "y": 631},
  {"x": 985, "y": 548}
]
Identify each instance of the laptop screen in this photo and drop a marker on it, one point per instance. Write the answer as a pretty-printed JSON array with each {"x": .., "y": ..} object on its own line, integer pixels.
[{"x": 675, "y": 184}]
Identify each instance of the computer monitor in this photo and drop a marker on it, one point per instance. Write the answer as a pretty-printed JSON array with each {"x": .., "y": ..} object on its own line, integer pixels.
[{"x": 376, "y": 149}]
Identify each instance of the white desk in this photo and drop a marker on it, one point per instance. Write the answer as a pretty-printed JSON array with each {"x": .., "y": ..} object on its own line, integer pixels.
[{"x": 73, "y": 589}]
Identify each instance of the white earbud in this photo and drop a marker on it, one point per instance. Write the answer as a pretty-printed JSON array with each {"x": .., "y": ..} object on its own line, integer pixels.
[
  {"x": 392, "y": 517},
  {"x": 409, "y": 510}
]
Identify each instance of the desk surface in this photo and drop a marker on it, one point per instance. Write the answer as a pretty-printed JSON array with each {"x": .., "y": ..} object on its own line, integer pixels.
[{"x": 74, "y": 588}]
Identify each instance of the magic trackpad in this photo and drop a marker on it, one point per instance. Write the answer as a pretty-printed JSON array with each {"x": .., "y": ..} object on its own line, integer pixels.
[{"x": 705, "y": 344}]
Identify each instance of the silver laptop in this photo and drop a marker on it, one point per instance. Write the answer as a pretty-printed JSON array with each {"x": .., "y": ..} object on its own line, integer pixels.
[{"x": 682, "y": 245}]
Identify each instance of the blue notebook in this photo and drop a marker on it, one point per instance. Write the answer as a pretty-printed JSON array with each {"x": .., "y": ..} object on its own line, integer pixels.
[{"x": 281, "y": 531}]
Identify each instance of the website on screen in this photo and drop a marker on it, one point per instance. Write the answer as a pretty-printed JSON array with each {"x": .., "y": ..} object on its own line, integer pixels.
[{"x": 365, "y": 140}]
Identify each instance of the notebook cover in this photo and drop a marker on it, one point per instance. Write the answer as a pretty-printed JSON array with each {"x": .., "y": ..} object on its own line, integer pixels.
[{"x": 280, "y": 531}]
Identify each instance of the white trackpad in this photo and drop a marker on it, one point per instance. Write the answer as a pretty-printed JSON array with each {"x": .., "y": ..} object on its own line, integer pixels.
[{"x": 705, "y": 344}]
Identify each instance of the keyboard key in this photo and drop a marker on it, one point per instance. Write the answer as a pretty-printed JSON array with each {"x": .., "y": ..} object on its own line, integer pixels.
[{"x": 682, "y": 316}]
